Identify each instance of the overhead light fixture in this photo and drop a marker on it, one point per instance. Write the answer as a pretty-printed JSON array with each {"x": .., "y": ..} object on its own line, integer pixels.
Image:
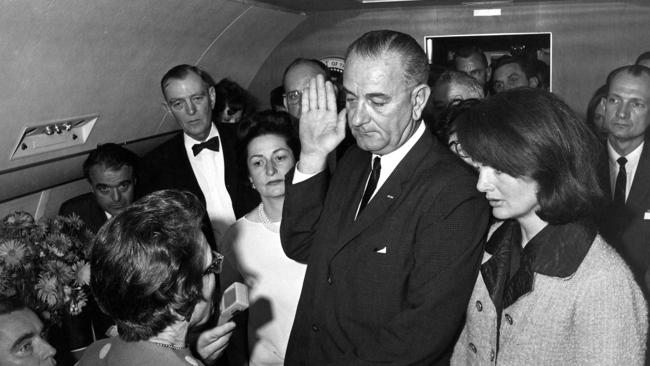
[
  {"x": 487, "y": 2},
  {"x": 384, "y": 1}
]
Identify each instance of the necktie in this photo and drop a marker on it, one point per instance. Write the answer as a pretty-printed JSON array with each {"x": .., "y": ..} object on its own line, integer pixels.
[
  {"x": 372, "y": 183},
  {"x": 211, "y": 144},
  {"x": 621, "y": 181}
]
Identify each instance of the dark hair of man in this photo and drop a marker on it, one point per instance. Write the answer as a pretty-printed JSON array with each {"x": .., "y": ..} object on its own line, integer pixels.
[
  {"x": 11, "y": 304},
  {"x": 526, "y": 66},
  {"x": 374, "y": 44},
  {"x": 642, "y": 57},
  {"x": 461, "y": 79},
  {"x": 308, "y": 61},
  {"x": 268, "y": 122},
  {"x": 469, "y": 51},
  {"x": 531, "y": 133},
  {"x": 275, "y": 97},
  {"x": 180, "y": 72},
  {"x": 146, "y": 262},
  {"x": 633, "y": 70},
  {"x": 111, "y": 156},
  {"x": 595, "y": 100},
  {"x": 229, "y": 93}
]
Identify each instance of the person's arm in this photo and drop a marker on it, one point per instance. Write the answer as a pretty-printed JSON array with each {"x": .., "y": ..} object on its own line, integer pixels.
[
  {"x": 322, "y": 128},
  {"x": 611, "y": 320},
  {"x": 448, "y": 249}
]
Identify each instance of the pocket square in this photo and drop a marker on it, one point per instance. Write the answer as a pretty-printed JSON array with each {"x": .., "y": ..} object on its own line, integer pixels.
[
  {"x": 646, "y": 215},
  {"x": 382, "y": 250}
]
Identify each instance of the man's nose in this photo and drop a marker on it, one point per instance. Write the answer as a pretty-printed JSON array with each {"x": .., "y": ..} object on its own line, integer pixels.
[
  {"x": 116, "y": 195},
  {"x": 44, "y": 349},
  {"x": 623, "y": 110},
  {"x": 190, "y": 108},
  {"x": 359, "y": 115}
]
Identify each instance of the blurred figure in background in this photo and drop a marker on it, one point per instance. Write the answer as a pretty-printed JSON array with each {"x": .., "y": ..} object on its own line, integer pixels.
[
  {"x": 252, "y": 249},
  {"x": 472, "y": 61},
  {"x": 596, "y": 113},
  {"x": 276, "y": 99},
  {"x": 511, "y": 72},
  {"x": 232, "y": 102},
  {"x": 451, "y": 86}
]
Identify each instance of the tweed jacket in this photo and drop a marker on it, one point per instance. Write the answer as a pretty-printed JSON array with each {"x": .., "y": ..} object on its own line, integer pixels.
[
  {"x": 594, "y": 316},
  {"x": 390, "y": 287}
]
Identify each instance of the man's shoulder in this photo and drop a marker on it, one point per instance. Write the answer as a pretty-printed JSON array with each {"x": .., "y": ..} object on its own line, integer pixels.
[
  {"x": 82, "y": 201},
  {"x": 169, "y": 148}
]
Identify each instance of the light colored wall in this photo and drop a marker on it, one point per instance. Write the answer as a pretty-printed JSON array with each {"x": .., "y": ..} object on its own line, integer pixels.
[
  {"x": 589, "y": 38},
  {"x": 69, "y": 58}
]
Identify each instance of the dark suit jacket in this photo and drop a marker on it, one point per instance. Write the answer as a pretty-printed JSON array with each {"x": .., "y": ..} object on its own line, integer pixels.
[
  {"x": 360, "y": 306},
  {"x": 167, "y": 167},
  {"x": 87, "y": 208},
  {"x": 627, "y": 228}
]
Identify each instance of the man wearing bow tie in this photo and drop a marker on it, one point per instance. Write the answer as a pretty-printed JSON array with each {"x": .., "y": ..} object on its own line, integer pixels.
[{"x": 202, "y": 160}]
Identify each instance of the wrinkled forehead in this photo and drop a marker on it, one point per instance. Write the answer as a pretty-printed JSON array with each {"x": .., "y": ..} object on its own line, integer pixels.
[
  {"x": 191, "y": 81},
  {"x": 386, "y": 67},
  {"x": 629, "y": 83},
  {"x": 16, "y": 325},
  {"x": 297, "y": 78}
]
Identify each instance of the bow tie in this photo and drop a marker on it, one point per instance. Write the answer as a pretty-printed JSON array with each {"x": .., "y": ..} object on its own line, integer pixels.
[{"x": 212, "y": 144}]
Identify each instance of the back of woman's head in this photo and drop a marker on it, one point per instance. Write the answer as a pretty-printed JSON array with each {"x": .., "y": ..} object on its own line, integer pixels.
[
  {"x": 147, "y": 263},
  {"x": 532, "y": 133}
]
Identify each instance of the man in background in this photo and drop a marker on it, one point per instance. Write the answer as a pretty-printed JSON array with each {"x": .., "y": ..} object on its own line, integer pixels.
[
  {"x": 111, "y": 171},
  {"x": 511, "y": 72},
  {"x": 452, "y": 86},
  {"x": 472, "y": 61},
  {"x": 202, "y": 159}
]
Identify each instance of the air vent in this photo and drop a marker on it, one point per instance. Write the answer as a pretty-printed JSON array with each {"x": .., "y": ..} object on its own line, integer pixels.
[{"x": 54, "y": 135}]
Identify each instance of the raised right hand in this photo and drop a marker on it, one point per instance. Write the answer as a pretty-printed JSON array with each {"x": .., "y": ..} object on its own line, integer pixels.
[{"x": 321, "y": 127}]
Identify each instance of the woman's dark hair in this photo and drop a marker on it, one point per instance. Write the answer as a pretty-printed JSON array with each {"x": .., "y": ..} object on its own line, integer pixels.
[
  {"x": 532, "y": 133},
  {"x": 147, "y": 261},
  {"x": 599, "y": 94},
  {"x": 445, "y": 126},
  {"x": 267, "y": 122},
  {"x": 229, "y": 93}
]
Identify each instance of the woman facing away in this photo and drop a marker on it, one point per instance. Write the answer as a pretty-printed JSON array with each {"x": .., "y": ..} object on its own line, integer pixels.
[
  {"x": 252, "y": 247},
  {"x": 550, "y": 291}
]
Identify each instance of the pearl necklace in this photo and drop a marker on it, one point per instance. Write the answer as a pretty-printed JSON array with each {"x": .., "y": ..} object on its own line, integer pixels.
[
  {"x": 266, "y": 221},
  {"x": 168, "y": 345}
]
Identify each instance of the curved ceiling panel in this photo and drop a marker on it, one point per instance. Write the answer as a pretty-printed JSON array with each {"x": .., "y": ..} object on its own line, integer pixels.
[{"x": 68, "y": 58}]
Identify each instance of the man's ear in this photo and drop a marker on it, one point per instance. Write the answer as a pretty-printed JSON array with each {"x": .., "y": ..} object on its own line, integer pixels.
[
  {"x": 213, "y": 96},
  {"x": 419, "y": 97},
  {"x": 284, "y": 101},
  {"x": 533, "y": 82}
]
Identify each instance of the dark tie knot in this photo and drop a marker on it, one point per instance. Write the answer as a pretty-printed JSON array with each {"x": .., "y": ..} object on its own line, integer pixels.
[
  {"x": 211, "y": 144},
  {"x": 622, "y": 161}
]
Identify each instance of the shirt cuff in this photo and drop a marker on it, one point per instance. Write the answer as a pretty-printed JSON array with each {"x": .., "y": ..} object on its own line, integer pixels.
[{"x": 299, "y": 176}]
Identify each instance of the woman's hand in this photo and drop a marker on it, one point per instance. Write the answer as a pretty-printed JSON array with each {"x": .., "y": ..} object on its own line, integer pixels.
[
  {"x": 321, "y": 127},
  {"x": 213, "y": 342}
]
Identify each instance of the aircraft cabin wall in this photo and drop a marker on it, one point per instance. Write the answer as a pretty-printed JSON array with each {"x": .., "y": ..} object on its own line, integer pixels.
[{"x": 63, "y": 59}]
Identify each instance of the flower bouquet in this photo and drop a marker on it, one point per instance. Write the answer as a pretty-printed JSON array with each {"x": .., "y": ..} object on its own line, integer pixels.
[{"x": 45, "y": 264}]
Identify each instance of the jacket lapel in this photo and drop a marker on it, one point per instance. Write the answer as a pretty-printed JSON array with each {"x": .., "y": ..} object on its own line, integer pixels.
[
  {"x": 640, "y": 184},
  {"x": 388, "y": 193}
]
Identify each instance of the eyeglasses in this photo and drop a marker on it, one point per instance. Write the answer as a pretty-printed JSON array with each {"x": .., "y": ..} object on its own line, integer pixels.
[
  {"x": 293, "y": 97},
  {"x": 455, "y": 147},
  {"x": 215, "y": 266}
]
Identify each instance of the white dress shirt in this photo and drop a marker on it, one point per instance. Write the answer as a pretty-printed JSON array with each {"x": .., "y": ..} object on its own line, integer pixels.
[
  {"x": 209, "y": 169},
  {"x": 630, "y": 167},
  {"x": 388, "y": 162}
]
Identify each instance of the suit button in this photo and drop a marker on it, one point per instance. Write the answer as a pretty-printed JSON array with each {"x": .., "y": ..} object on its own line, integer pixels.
[
  {"x": 472, "y": 347},
  {"x": 509, "y": 319},
  {"x": 491, "y": 355},
  {"x": 479, "y": 306},
  {"x": 314, "y": 327}
]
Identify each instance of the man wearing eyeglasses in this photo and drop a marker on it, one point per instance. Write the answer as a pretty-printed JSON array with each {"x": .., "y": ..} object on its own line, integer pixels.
[{"x": 202, "y": 159}]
